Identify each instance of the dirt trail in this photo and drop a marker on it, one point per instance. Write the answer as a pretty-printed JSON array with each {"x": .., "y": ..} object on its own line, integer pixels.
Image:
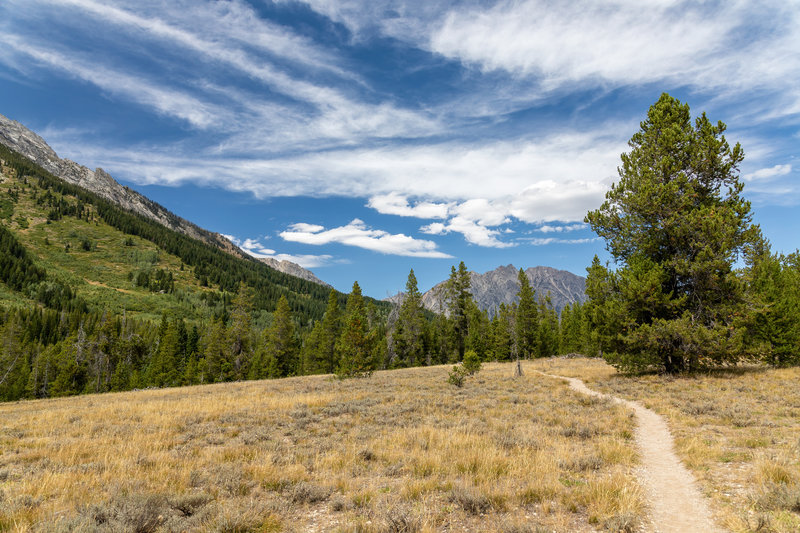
[{"x": 676, "y": 505}]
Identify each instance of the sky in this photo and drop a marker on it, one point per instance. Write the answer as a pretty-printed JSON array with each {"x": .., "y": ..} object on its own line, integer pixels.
[{"x": 361, "y": 139}]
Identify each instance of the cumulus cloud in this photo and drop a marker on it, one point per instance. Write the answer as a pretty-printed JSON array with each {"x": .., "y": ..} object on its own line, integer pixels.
[
  {"x": 768, "y": 173},
  {"x": 255, "y": 248},
  {"x": 356, "y": 233},
  {"x": 472, "y": 231},
  {"x": 397, "y": 204}
]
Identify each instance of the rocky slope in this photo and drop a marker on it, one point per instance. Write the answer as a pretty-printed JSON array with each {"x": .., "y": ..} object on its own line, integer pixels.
[
  {"x": 20, "y": 139},
  {"x": 293, "y": 269},
  {"x": 500, "y": 286}
]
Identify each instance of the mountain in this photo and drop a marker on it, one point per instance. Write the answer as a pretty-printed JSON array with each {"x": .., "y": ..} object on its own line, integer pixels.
[
  {"x": 27, "y": 143},
  {"x": 501, "y": 286},
  {"x": 66, "y": 247},
  {"x": 293, "y": 269}
]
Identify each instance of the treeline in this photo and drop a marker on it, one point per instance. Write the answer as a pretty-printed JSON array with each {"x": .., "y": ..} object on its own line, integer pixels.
[{"x": 48, "y": 353}]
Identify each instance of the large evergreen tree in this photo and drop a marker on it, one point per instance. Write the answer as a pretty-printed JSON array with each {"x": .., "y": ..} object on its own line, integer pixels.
[
  {"x": 353, "y": 347},
  {"x": 674, "y": 224},
  {"x": 458, "y": 301},
  {"x": 409, "y": 328},
  {"x": 527, "y": 319},
  {"x": 279, "y": 353}
]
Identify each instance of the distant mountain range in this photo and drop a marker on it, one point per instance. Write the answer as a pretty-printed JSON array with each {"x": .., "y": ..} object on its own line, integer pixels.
[
  {"x": 501, "y": 286},
  {"x": 22, "y": 140}
]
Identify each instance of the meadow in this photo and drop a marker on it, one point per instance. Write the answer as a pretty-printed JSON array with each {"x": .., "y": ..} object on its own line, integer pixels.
[{"x": 399, "y": 451}]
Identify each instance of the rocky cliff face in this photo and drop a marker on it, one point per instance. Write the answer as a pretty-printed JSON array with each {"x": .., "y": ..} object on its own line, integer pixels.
[
  {"x": 500, "y": 286},
  {"x": 22, "y": 140},
  {"x": 293, "y": 269}
]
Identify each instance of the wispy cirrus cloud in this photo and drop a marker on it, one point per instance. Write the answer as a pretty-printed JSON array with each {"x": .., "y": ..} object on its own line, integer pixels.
[
  {"x": 156, "y": 96},
  {"x": 561, "y": 229},
  {"x": 553, "y": 240},
  {"x": 358, "y": 234}
]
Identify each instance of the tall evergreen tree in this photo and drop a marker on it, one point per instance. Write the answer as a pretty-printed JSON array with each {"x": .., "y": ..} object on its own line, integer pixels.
[
  {"x": 674, "y": 224},
  {"x": 408, "y": 331},
  {"x": 773, "y": 324},
  {"x": 240, "y": 331},
  {"x": 353, "y": 346},
  {"x": 548, "y": 328},
  {"x": 458, "y": 300},
  {"x": 527, "y": 319},
  {"x": 281, "y": 351},
  {"x": 503, "y": 333}
]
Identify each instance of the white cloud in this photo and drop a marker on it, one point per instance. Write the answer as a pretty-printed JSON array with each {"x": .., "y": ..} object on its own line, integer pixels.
[
  {"x": 254, "y": 248},
  {"x": 397, "y": 204},
  {"x": 554, "y": 240},
  {"x": 538, "y": 180},
  {"x": 628, "y": 42},
  {"x": 561, "y": 229},
  {"x": 768, "y": 173},
  {"x": 472, "y": 231},
  {"x": 163, "y": 100},
  {"x": 356, "y": 233}
]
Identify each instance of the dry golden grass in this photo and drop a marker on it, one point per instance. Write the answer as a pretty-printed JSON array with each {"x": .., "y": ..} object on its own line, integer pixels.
[
  {"x": 738, "y": 430},
  {"x": 400, "y": 451}
]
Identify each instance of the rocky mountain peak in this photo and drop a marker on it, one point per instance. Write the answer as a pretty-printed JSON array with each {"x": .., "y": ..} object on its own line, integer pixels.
[{"x": 501, "y": 285}]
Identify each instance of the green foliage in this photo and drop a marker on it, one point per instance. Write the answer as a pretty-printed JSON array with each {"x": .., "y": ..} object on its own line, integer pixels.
[
  {"x": 6, "y": 208},
  {"x": 457, "y": 376},
  {"x": 674, "y": 224},
  {"x": 458, "y": 303},
  {"x": 353, "y": 346},
  {"x": 503, "y": 333},
  {"x": 471, "y": 363},
  {"x": 211, "y": 266},
  {"x": 527, "y": 334},
  {"x": 279, "y": 354},
  {"x": 407, "y": 335},
  {"x": 548, "y": 329},
  {"x": 773, "y": 324}
]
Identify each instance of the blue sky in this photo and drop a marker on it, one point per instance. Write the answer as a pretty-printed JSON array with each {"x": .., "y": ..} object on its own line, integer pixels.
[{"x": 364, "y": 138}]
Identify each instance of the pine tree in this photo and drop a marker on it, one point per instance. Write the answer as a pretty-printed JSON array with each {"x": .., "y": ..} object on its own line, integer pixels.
[
  {"x": 331, "y": 330},
  {"x": 674, "y": 224},
  {"x": 527, "y": 319},
  {"x": 548, "y": 328},
  {"x": 353, "y": 347},
  {"x": 502, "y": 333},
  {"x": 215, "y": 366},
  {"x": 281, "y": 352},
  {"x": 408, "y": 330},
  {"x": 773, "y": 324},
  {"x": 240, "y": 331},
  {"x": 458, "y": 300}
]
